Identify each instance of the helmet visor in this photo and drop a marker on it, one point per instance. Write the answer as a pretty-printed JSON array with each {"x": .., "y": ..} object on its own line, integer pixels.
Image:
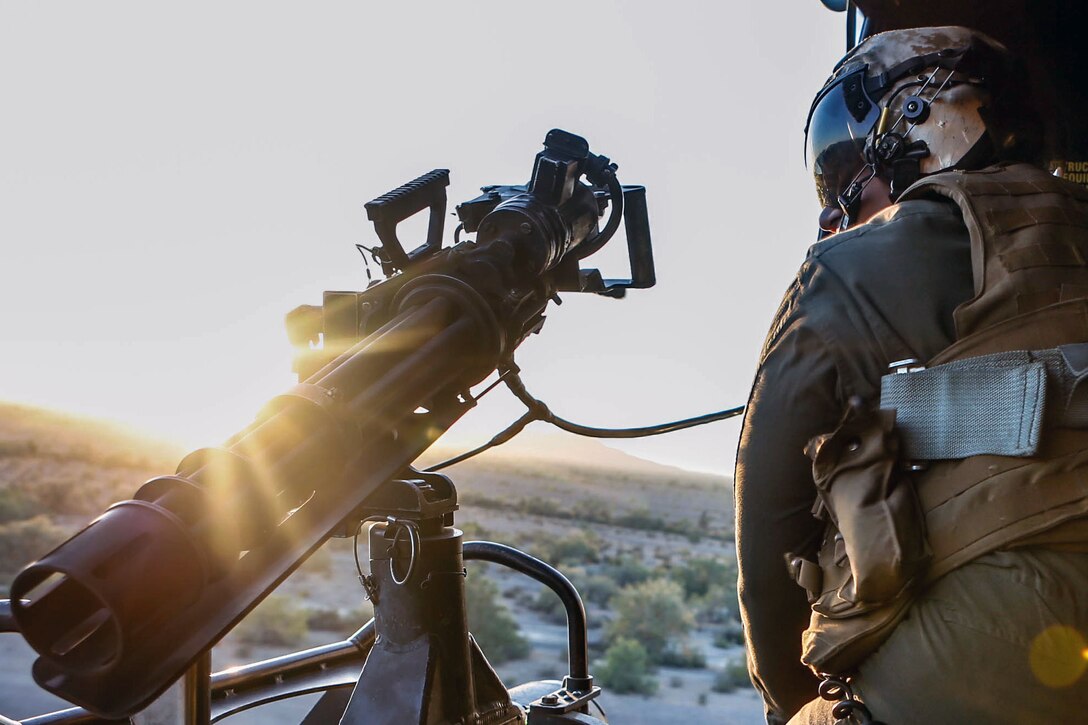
[{"x": 840, "y": 119}]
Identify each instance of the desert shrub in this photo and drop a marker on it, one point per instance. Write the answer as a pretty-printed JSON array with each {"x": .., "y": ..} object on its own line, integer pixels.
[
  {"x": 719, "y": 605},
  {"x": 627, "y": 570},
  {"x": 652, "y": 613},
  {"x": 626, "y": 668},
  {"x": 704, "y": 520},
  {"x": 595, "y": 588},
  {"x": 640, "y": 518},
  {"x": 594, "y": 509},
  {"x": 16, "y": 505},
  {"x": 730, "y": 677},
  {"x": 490, "y": 621},
  {"x": 698, "y": 575},
  {"x": 577, "y": 547},
  {"x": 543, "y": 507},
  {"x": 276, "y": 621},
  {"x": 683, "y": 656},
  {"x": 16, "y": 448},
  {"x": 21, "y": 542}
]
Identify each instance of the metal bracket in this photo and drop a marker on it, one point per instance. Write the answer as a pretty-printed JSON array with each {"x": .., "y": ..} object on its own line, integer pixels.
[{"x": 563, "y": 701}]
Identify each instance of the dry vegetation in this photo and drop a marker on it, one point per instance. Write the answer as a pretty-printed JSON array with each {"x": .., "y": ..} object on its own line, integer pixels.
[
  {"x": 58, "y": 472},
  {"x": 633, "y": 536}
]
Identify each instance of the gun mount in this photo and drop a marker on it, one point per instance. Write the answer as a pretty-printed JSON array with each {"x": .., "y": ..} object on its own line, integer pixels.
[{"x": 129, "y": 604}]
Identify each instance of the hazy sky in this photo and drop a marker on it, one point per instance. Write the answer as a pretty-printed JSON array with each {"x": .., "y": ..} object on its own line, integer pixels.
[{"x": 175, "y": 177}]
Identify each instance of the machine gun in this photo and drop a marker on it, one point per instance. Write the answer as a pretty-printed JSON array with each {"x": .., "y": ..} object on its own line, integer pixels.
[{"x": 135, "y": 601}]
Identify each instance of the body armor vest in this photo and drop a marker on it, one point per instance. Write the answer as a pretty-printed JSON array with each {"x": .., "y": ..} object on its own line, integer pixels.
[{"x": 1029, "y": 253}]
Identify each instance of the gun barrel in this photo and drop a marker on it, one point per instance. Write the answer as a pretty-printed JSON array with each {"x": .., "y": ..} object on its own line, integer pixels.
[{"x": 122, "y": 608}]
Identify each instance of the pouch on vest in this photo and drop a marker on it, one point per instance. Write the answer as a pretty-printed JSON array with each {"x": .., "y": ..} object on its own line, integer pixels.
[
  {"x": 874, "y": 546},
  {"x": 877, "y": 522},
  {"x": 840, "y": 644}
]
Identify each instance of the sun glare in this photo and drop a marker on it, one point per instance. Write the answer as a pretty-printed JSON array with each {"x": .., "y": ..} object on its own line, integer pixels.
[{"x": 1059, "y": 656}]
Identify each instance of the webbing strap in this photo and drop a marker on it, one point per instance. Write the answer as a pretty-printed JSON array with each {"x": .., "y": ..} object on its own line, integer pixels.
[
  {"x": 990, "y": 404},
  {"x": 986, "y": 405}
]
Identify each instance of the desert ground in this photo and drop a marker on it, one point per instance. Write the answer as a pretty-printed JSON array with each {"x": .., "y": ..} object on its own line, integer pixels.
[{"x": 613, "y": 523}]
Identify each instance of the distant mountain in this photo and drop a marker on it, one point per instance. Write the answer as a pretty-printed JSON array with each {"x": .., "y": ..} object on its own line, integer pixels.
[{"x": 565, "y": 448}]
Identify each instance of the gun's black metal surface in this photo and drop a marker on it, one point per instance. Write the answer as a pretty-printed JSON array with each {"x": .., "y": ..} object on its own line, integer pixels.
[
  {"x": 128, "y": 604},
  {"x": 639, "y": 251},
  {"x": 161, "y": 637},
  {"x": 424, "y": 667}
]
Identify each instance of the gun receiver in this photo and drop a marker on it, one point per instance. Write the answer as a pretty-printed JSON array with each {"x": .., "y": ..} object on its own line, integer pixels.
[{"x": 124, "y": 607}]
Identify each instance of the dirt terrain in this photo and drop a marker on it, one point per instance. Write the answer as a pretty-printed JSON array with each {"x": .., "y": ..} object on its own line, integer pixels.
[{"x": 57, "y": 472}]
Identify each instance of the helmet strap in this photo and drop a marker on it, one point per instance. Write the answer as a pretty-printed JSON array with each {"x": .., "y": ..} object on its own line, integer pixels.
[{"x": 850, "y": 199}]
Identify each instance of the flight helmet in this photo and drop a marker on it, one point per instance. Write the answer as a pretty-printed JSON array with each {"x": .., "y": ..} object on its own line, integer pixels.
[{"x": 912, "y": 102}]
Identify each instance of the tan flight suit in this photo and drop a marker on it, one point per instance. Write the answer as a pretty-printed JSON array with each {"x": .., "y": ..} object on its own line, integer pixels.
[{"x": 996, "y": 639}]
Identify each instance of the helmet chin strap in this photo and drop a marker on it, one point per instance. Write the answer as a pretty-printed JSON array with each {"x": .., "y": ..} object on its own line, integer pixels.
[{"x": 850, "y": 200}]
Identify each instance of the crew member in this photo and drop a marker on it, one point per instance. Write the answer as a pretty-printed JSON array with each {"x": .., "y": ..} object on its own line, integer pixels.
[{"x": 923, "y": 535}]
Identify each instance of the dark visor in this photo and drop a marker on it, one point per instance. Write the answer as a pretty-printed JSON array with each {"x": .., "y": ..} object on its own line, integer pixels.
[{"x": 840, "y": 119}]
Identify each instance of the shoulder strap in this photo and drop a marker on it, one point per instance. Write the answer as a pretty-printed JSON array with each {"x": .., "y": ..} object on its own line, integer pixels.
[{"x": 1029, "y": 249}]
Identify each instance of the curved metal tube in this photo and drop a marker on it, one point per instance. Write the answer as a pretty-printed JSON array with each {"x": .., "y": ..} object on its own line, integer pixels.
[
  {"x": 71, "y": 716},
  {"x": 549, "y": 576},
  {"x": 7, "y": 622},
  {"x": 241, "y": 688},
  {"x": 355, "y": 647}
]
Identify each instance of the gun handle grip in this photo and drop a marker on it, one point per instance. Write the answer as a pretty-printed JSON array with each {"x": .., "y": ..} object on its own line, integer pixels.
[{"x": 391, "y": 208}]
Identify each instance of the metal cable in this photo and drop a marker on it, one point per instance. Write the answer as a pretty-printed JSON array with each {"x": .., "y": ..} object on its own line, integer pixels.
[{"x": 539, "y": 410}]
